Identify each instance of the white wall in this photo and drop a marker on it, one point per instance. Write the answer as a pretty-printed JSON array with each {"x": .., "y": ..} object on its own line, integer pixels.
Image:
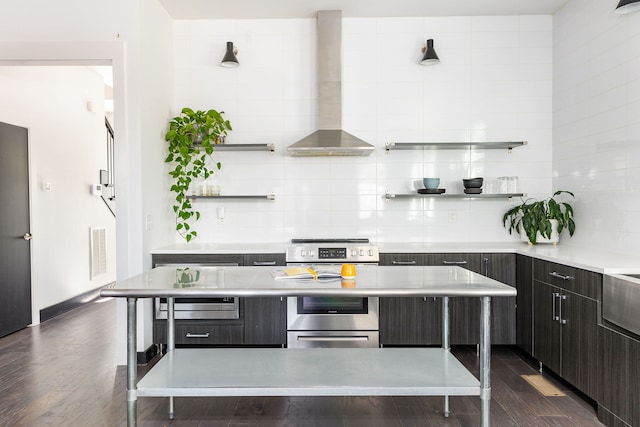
[
  {"x": 596, "y": 135},
  {"x": 92, "y": 32},
  {"x": 67, "y": 149},
  {"x": 494, "y": 83}
]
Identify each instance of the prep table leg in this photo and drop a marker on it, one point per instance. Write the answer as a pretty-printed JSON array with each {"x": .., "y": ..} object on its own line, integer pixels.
[
  {"x": 445, "y": 342},
  {"x": 132, "y": 367},
  {"x": 171, "y": 342},
  {"x": 485, "y": 360}
]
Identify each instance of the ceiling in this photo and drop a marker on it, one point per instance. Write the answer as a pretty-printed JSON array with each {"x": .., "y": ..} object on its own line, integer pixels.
[{"x": 274, "y": 9}]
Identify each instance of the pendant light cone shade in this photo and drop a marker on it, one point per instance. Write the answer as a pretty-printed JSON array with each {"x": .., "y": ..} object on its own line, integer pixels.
[
  {"x": 430, "y": 57},
  {"x": 229, "y": 60},
  {"x": 628, "y": 6}
]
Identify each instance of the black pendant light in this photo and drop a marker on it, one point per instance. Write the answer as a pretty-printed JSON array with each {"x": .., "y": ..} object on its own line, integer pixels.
[
  {"x": 628, "y": 6},
  {"x": 430, "y": 56},
  {"x": 230, "y": 60}
]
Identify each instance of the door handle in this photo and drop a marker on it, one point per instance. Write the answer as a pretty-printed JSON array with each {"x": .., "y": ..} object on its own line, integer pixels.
[
  {"x": 330, "y": 338},
  {"x": 190, "y": 335},
  {"x": 560, "y": 276},
  {"x": 562, "y": 298},
  {"x": 403, "y": 262},
  {"x": 554, "y": 315},
  {"x": 27, "y": 236}
]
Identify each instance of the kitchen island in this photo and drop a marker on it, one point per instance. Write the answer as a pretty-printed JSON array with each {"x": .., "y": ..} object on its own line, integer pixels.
[{"x": 308, "y": 372}]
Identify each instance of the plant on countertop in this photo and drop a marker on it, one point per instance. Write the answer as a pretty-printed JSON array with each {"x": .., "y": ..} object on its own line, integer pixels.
[
  {"x": 192, "y": 136},
  {"x": 534, "y": 216}
]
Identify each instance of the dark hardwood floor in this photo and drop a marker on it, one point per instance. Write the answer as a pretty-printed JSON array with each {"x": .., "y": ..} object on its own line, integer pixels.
[{"x": 63, "y": 373}]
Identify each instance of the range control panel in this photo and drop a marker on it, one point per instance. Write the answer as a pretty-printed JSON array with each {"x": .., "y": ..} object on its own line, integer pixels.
[{"x": 308, "y": 253}]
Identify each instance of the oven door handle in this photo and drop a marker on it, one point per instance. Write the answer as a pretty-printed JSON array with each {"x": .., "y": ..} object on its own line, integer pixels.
[{"x": 334, "y": 338}]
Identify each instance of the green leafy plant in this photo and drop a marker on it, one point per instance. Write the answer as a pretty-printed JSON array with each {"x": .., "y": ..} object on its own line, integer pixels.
[
  {"x": 192, "y": 136},
  {"x": 534, "y": 216}
]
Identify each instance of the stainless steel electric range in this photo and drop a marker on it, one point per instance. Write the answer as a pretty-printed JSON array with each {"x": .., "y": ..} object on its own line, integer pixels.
[{"x": 326, "y": 321}]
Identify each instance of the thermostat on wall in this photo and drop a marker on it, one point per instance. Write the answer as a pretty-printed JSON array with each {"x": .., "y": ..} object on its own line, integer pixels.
[{"x": 96, "y": 190}]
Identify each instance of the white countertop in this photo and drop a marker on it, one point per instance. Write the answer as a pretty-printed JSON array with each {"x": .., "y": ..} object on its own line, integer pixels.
[{"x": 590, "y": 259}]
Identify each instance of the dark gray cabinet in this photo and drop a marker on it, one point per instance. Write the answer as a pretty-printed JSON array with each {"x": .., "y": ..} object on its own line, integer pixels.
[
  {"x": 201, "y": 332},
  {"x": 566, "y": 323},
  {"x": 262, "y": 321},
  {"x": 524, "y": 303},
  {"x": 417, "y": 321},
  {"x": 265, "y": 318},
  {"x": 197, "y": 259},
  {"x": 409, "y": 321},
  {"x": 619, "y": 376}
]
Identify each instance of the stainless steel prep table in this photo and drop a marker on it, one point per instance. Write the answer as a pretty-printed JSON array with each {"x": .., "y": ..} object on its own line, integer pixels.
[{"x": 285, "y": 372}]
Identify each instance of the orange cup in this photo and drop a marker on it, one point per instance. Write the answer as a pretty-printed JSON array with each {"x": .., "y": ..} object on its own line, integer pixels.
[{"x": 348, "y": 271}]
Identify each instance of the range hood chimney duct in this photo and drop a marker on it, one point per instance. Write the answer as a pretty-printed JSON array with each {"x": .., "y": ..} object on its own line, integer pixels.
[{"x": 330, "y": 139}]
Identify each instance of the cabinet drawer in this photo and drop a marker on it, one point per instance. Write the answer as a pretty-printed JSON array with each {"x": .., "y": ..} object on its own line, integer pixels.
[
  {"x": 200, "y": 333},
  {"x": 264, "y": 260},
  {"x": 402, "y": 259},
  {"x": 199, "y": 259},
  {"x": 469, "y": 261},
  {"x": 582, "y": 282}
]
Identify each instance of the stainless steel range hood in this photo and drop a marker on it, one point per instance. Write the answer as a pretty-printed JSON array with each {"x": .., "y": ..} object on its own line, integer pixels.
[{"x": 330, "y": 139}]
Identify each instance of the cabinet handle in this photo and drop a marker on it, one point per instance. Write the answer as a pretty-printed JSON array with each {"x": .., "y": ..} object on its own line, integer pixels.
[
  {"x": 562, "y": 298},
  {"x": 320, "y": 338},
  {"x": 259, "y": 263},
  {"x": 190, "y": 335},
  {"x": 412, "y": 262},
  {"x": 486, "y": 267},
  {"x": 454, "y": 262},
  {"x": 560, "y": 276},
  {"x": 554, "y": 316}
]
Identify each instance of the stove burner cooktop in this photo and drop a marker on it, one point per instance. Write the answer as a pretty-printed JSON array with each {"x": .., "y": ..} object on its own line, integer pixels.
[{"x": 359, "y": 241}]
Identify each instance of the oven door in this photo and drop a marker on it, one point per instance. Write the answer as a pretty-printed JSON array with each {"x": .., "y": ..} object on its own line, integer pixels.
[{"x": 332, "y": 314}]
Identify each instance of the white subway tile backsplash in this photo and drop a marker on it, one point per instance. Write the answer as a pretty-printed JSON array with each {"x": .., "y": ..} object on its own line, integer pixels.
[{"x": 494, "y": 82}]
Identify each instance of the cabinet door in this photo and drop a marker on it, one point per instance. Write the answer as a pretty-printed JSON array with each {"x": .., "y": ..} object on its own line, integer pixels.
[
  {"x": 410, "y": 321},
  {"x": 524, "y": 303},
  {"x": 580, "y": 342},
  {"x": 502, "y": 267},
  {"x": 464, "y": 312},
  {"x": 634, "y": 380},
  {"x": 265, "y": 321},
  {"x": 613, "y": 374},
  {"x": 546, "y": 330}
]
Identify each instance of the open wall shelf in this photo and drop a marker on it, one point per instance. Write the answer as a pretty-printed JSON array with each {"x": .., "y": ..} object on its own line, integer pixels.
[
  {"x": 240, "y": 197},
  {"x": 390, "y": 196},
  {"x": 454, "y": 145},
  {"x": 244, "y": 147}
]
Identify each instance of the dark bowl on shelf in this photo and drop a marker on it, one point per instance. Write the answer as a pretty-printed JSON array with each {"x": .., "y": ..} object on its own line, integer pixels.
[{"x": 472, "y": 182}]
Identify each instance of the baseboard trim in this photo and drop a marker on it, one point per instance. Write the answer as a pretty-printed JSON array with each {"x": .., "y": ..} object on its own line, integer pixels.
[
  {"x": 144, "y": 357},
  {"x": 49, "y": 313}
]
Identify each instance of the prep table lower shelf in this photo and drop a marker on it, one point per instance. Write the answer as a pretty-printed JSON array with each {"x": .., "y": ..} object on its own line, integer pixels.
[{"x": 309, "y": 372}]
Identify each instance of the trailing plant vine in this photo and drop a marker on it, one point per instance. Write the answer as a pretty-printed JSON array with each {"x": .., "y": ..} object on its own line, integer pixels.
[{"x": 192, "y": 136}]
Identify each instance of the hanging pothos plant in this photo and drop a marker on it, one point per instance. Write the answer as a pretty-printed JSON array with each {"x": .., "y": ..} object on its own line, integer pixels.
[{"x": 192, "y": 136}]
